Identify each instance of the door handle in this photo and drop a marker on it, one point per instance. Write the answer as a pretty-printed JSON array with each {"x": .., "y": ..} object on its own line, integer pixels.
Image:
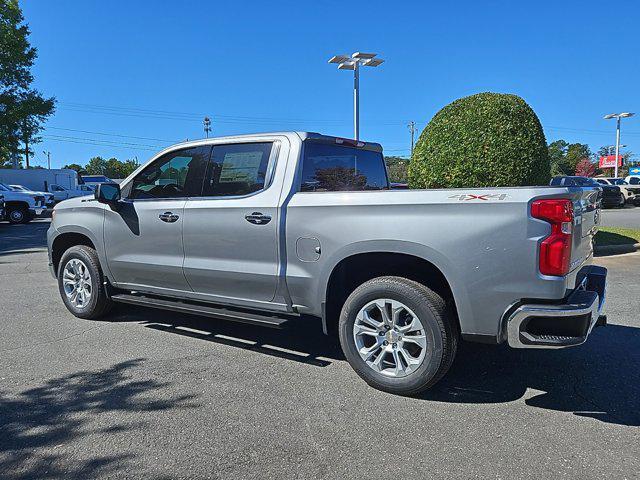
[
  {"x": 168, "y": 217},
  {"x": 257, "y": 218}
]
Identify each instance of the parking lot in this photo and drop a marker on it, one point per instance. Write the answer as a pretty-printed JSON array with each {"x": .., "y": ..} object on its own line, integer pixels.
[
  {"x": 157, "y": 394},
  {"x": 627, "y": 217}
]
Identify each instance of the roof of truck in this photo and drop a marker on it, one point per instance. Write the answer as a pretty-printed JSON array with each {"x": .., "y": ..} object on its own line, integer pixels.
[{"x": 303, "y": 136}]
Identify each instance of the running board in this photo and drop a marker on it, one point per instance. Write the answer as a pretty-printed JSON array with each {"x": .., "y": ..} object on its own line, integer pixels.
[{"x": 200, "y": 309}]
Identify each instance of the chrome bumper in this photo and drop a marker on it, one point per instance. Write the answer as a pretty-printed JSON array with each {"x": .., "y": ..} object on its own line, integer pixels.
[{"x": 561, "y": 325}]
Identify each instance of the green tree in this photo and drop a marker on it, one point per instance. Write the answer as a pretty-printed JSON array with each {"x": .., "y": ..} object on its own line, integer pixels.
[
  {"x": 397, "y": 168},
  {"x": 485, "y": 140},
  {"x": 22, "y": 108},
  {"x": 575, "y": 153},
  {"x": 565, "y": 156},
  {"x": 74, "y": 166},
  {"x": 112, "y": 168},
  {"x": 96, "y": 166}
]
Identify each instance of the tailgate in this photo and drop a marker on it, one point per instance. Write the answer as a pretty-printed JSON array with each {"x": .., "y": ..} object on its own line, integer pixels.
[{"x": 586, "y": 218}]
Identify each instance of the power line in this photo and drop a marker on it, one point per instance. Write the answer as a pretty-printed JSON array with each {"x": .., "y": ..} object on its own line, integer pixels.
[
  {"x": 101, "y": 143},
  {"x": 112, "y": 134}
]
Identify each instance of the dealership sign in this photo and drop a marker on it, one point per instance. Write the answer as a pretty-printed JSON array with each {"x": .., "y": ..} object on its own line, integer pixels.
[{"x": 609, "y": 161}]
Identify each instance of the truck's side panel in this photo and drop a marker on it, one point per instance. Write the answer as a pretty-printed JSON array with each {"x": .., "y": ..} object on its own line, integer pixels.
[{"x": 485, "y": 247}]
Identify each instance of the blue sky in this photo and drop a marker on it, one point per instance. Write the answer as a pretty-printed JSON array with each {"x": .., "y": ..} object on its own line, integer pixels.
[{"x": 133, "y": 76}]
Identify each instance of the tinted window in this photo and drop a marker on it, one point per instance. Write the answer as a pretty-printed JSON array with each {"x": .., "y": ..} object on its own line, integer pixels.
[
  {"x": 237, "y": 169},
  {"x": 634, "y": 181},
  {"x": 331, "y": 168},
  {"x": 174, "y": 175}
]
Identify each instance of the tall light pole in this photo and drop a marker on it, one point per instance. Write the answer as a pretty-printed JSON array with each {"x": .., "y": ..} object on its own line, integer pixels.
[
  {"x": 354, "y": 62},
  {"x": 207, "y": 126},
  {"x": 617, "y": 116},
  {"x": 48, "y": 154}
]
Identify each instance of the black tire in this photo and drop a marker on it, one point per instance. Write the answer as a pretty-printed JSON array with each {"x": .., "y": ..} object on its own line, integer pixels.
[
  {"x": 440, "y": 329},
  {"x": 99, "y": 303},
  {"x": 18, "y": 215}
]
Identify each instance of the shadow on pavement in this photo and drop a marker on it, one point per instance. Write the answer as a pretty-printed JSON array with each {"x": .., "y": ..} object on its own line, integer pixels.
[
  {"x": 301, "y": 341},
  {"x": 600, "y": 379},
  {"x": 16, "y": 239},
  {"x": 35, "y": 422}
]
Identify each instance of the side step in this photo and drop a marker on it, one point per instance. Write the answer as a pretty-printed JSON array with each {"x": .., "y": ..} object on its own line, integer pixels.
[{"x": 200, "y": 309}]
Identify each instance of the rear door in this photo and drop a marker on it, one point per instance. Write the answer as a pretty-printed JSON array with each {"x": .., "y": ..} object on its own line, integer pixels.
[
  {"x": 143, "y": 235},
  {"x": 231, "y": 231}
]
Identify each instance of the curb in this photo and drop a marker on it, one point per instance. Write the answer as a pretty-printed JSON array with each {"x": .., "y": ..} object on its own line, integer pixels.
[{"x": 605, "y": 250}]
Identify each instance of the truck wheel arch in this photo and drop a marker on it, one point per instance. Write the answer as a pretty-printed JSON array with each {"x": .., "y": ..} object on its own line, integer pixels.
[
  {"x": 63, "y": 242},
  {"x": 354, "y": 270}
]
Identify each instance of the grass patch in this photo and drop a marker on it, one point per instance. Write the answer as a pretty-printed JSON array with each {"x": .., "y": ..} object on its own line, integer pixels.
[{"x": 617, "y": 236}]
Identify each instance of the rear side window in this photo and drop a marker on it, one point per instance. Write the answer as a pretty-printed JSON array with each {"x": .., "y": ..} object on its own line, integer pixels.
[
  {"x": 237, "y": 169},
  {"x": 336, "y": 168},
  {"x": 634, "y": 181}
]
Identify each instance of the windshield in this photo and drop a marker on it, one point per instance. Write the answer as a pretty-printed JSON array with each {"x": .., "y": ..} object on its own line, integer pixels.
[{"x": 18, "y": 188}]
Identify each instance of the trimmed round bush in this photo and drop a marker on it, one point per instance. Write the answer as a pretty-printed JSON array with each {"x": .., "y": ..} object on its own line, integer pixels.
[{"x": 485, "y": 140}]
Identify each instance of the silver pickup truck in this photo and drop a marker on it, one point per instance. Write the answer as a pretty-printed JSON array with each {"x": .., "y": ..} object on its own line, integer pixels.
[{"x": 268, "y": 229}]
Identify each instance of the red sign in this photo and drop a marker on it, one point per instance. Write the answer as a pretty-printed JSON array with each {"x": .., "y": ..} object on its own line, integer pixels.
[{"x": 609, "y": 161}]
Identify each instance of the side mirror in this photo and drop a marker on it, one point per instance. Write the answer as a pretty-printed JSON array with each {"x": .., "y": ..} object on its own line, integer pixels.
[{"x": 108, "y": 193}]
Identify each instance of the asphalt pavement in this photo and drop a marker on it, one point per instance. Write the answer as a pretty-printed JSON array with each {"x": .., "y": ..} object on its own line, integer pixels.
[
  {"x": 152, "y": 394},
  {"x": 627, "y": 217}
]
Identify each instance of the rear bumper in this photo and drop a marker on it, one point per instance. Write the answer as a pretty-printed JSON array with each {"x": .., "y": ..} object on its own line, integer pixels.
[{"x": 566, "y": 324}]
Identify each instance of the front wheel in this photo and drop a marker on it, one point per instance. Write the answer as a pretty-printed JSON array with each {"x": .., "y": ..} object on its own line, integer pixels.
[
  {"x": 398, "y": 335},
  {"x": 81, "y": 285}
]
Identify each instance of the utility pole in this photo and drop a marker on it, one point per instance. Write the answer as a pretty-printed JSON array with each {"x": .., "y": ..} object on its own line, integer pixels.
[
  {"x": 26, "y": 151},
  {"x": 48, "y": 154},
  {"x": 412, "y": 129},
  {"x": 207, "y": 126}
]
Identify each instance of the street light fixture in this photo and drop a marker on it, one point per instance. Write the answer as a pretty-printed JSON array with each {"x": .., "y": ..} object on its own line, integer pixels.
[
  {"x": 617, "y": 116},
  {"x": 354, "y": 62}
]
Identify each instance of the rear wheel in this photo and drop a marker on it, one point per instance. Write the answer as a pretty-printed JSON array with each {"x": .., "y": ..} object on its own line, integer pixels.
[
  {"x": 398, "y": 335},
  {"x": 17, "y": 214},
  {"x": 81, "y": 284}
]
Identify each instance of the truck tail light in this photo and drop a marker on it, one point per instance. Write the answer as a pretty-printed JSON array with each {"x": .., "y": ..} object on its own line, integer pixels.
[{"x": 555, "y": 250}]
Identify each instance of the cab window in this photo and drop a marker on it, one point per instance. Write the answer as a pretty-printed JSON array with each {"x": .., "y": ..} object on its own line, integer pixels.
[
  {"x": 336, "y": 168},
  {"x": 237, "y": 169},
  {"x": 176, "y": 174}
]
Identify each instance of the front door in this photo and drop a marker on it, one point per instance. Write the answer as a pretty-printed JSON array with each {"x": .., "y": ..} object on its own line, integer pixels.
[
  {"x": 231, "y": 232},
  {"x": 143, "y": 233}
]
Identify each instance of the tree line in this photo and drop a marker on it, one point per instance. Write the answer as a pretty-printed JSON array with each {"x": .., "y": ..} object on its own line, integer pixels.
[{"x": 112, "y": 167}]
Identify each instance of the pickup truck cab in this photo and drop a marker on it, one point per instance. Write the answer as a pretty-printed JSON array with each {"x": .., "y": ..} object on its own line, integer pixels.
[
  {"x": 268, "y": 229},
  {"x": 22, "y": 207},
  {"x": 61, "y": 193}
]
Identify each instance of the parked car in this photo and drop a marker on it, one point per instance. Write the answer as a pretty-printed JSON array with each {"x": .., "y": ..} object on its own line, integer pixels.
[
  {"x": 21, "y": 207},
  {"x": 627, "y": 190},
  {"x": 49, "y": 199},
  {"x": 267, "y": 229},
  {"x": 611, "y": 195},
  {"x": 61, "y": 193}
]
